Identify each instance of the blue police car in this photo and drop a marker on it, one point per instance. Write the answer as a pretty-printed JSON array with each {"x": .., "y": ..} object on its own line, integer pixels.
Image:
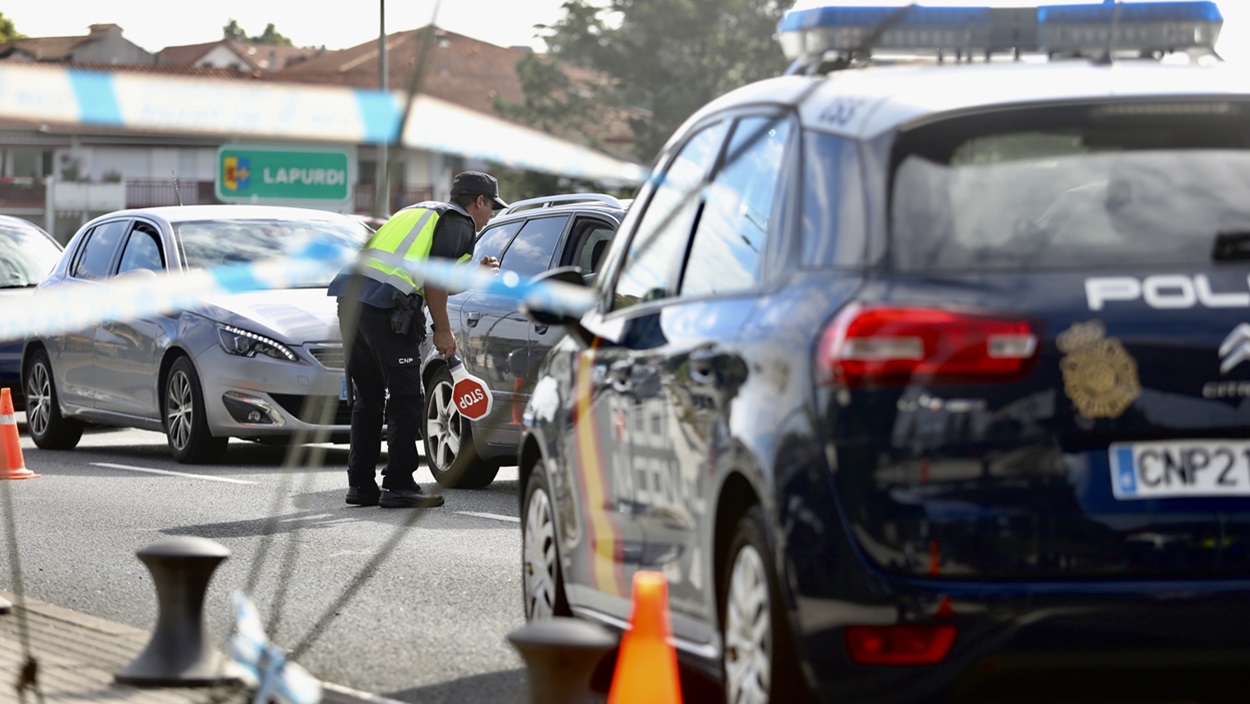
[{"x": 925, "y": 379}]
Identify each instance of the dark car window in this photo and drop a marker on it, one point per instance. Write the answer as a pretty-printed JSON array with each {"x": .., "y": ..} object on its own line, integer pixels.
[
  {"x": 659, "y": 241},
  {"x": 142, "y": 251},
  {"x": 589, "y": 240},
  {"x": 531, "y": 250},
  {"x": 96, "y": 255},
  {"x": 494, "y": 238},
  {"x": 1101, "y": 185},
  {"x": 26, "y": 255},
  {"x": 731, "y": 234}
]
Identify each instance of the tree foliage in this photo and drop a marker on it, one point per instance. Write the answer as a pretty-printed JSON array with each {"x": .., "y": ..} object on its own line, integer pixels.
[
  {"x": 270, "y": 36},
  {"x": 550, "y": 102},
  {"x": 8, "y": 31},
  {"x": 667, "y": 57}
]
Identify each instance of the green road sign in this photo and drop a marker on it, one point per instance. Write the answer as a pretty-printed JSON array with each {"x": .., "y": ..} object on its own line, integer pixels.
[{"x": 284, "y": 175}]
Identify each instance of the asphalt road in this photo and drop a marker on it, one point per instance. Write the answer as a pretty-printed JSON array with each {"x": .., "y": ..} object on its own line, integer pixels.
[{"x": 428, "y": 625}]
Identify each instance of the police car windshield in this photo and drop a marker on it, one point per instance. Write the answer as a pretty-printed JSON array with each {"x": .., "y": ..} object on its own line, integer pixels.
[
  {"x": 1117, "y": 185},
  {"x": 209, "y": 243}
]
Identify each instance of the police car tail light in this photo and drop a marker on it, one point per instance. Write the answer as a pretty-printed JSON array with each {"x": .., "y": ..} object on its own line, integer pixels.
[
  {"x": 817, "y": 30},
  {"x": 893, "y": 346},
  {"x": 900, "y": 644}
]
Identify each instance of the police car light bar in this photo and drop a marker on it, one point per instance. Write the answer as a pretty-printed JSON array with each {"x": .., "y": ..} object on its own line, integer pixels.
[{"x": 809, "y": 33}]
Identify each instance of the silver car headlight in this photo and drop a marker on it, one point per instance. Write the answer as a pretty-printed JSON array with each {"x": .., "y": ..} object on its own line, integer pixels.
[{"x": 248, "y": 344}]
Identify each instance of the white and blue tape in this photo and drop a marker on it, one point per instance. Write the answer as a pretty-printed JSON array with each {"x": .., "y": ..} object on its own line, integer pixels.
[
  {"x": 71, "y": 308},
  {"x": 250, "y": 109}
]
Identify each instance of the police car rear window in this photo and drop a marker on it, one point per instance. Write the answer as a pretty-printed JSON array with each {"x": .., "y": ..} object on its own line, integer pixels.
[{"x": 1109, "y": 185}]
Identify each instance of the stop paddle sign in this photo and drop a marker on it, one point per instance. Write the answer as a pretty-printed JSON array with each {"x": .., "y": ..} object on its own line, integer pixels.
[{"x": 471, "y": 396}]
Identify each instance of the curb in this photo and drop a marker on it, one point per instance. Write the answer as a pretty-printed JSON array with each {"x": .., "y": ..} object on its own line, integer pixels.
[{"x": 79, "y": 654}]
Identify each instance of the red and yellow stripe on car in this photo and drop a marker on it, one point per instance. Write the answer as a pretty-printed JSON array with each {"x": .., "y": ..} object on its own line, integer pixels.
[{"x": 604, "y": 536}]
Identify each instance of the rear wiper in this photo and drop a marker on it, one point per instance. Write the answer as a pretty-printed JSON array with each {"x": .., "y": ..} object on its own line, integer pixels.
[{"x": 1231, "y": 247}]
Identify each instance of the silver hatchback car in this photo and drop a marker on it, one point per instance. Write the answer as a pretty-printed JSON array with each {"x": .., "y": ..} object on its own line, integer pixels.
[{"x": 261, "y": 365}]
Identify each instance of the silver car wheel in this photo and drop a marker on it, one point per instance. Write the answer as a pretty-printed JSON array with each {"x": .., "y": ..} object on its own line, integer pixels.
[
  {"x": 748, "y": 631},
  {"x": 179, "y": 409},
  {"x": 39, "y": 399},
  {"x": 540, "y": 558},
  {"x": 442, "y": 427}
]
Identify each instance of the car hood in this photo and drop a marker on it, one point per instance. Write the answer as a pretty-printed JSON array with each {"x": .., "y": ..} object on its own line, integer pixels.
[{"x": 295, "y": 316}]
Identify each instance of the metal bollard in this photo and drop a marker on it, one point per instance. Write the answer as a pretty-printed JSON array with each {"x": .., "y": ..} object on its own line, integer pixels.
[
  {"x": 560, "y": 655},
  {"x": 179, "y": 654}
]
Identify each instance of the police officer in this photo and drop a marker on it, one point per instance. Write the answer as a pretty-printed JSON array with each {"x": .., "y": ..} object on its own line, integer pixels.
[{"x": 381, "y": 319}]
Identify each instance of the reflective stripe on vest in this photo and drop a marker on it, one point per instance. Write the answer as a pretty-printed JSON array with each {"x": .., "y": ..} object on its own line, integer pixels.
[{"x": 406, "y": 238}]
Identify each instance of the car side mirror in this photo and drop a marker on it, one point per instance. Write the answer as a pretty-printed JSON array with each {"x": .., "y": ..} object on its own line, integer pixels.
[{"x": 564, "y": 274}]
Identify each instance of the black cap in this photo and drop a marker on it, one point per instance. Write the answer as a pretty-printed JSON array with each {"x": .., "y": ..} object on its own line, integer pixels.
[{"x": 476, "y": 183}]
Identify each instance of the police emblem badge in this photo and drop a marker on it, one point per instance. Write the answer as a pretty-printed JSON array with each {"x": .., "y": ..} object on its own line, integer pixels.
[{"x": 1098, "y": 374}]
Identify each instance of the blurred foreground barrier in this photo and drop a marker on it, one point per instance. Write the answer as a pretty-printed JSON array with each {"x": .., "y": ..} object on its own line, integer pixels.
[
  {"x": 646, "y": 668},
  {"x": 560, "y": 655},
  {"x": 72, "y": 308},
  {"x": 254, "y": 110},
  {"x": 179, "y": 654},
  {"x": 12, "y": 464}
]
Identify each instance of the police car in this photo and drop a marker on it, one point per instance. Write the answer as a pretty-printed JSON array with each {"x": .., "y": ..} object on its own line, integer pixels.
[{"x": 926, "y": 380}]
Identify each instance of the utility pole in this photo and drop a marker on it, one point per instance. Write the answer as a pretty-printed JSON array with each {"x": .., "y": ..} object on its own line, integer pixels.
[{"x": 381, "y": 189}]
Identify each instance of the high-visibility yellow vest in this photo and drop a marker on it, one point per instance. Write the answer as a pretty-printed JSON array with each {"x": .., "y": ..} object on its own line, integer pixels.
[{"x": 407, "y": 237}]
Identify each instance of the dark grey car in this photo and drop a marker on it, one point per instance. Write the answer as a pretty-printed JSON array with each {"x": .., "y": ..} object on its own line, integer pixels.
[{"x": 496, "y": 342}]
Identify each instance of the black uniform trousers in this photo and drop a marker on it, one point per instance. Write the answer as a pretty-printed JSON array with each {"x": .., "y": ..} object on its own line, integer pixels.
[{"x": 379, "y": 359}]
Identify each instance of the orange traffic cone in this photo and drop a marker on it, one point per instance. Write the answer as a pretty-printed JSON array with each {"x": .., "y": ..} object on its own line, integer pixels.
[
  {"x": 646, "y": 667},
  {"x": 12, "y": 466}
]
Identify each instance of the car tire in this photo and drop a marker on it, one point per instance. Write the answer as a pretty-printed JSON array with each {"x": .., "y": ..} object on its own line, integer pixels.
[
  {"x": 448, "y": 436},
  {"x": 48, "y": 428},
  {"x": 186, "y": 423},
  {"x": 542, "y": 580},
  {"x": 749, "y": 601}
]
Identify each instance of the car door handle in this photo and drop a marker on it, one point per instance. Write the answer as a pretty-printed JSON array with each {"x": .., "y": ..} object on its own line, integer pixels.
[
  {"x": 619, "y": 373},
  {"x": 703, "y": 365},
  {"x": 472, "y": 319}
]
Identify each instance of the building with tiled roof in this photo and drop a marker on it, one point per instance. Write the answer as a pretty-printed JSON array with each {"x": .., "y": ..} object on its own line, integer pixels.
[
  {"x": 462, "y": 70},
  {"x": 241, "y": 56},
  {"x": 104, "y": 44},
  {"x": 79, "y": 137}
]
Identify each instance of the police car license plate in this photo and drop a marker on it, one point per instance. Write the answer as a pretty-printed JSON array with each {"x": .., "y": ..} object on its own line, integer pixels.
[
  {"x": 343, "y": 390},
  {"x": 1155, "y": 470}
]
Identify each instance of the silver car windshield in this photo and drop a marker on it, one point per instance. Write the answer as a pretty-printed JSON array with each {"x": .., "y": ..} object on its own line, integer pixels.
[
  {"x": 209, "y": 243},
  {"x": 26, "y": 256}
]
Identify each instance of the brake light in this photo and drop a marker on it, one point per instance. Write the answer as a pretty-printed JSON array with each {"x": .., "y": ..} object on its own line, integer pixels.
[
  {"x": 888, "y": 346},
  {"x": 900, "y": 645}
]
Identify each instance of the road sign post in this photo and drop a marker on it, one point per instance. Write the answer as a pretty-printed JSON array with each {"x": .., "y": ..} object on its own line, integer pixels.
[{"x": 281, "y": 175}]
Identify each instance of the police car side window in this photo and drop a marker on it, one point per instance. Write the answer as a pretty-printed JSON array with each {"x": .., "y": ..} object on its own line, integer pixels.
[
  {"x": 733, "y": 228},
  {"x": 659, "y": 241},
  {"x": 834, "y": 224},
  {"x": 494, "y": 239},
  {"x": 531, "y": 250},
  {"x": 143, "y": 250},
  {"x": 97, "y": 253}
]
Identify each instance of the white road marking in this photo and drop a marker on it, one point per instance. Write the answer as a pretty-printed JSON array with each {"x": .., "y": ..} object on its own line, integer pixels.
[
  {"x": 172, "y": 474},
  {"x": 495, "y": 516}
]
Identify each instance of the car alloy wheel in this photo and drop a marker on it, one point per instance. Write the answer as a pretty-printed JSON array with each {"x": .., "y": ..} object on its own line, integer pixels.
[
  {"x": 540, "y": 569},
  {"x": 48, "y": 428},
  {"x": 449, "y": 448},
  {"x": 443, "y": 425},
  {"x": 748, "y": 630},
  {"x": 186, "y": 424}
]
